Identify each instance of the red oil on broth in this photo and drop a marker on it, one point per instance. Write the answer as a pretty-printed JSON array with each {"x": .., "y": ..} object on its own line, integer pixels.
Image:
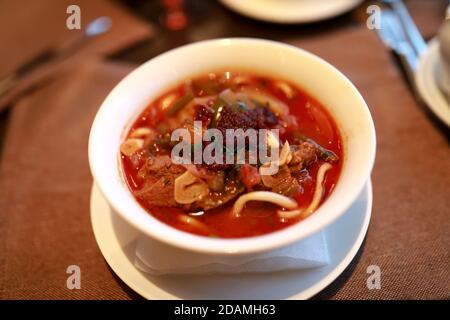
[{"x": 313, "y": 137}]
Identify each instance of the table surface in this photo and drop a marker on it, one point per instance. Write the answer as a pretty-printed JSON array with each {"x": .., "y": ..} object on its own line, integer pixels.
[{"x": 209, "y": 19}]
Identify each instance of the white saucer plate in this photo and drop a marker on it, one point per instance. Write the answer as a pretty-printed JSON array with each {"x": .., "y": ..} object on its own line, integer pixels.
[
  {"x": 117, "y": 242},
  {"x": 427, "y": 82},
  {"x": 291, "y": 11}
]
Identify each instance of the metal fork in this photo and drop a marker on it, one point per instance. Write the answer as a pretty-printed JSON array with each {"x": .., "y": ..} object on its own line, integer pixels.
[
  {"x": 393, "y": 36},
  {"x": 407, "y": 23}
]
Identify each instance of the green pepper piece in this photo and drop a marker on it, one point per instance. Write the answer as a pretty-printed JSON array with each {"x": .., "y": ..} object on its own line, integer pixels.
[{"x": 179, "y": 104}]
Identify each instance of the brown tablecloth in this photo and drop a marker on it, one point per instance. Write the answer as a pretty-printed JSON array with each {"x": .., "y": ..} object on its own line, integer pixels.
[
  {"x": 45, "y": 185},
  {"x": 28, "y": 28},
  {"x": 409, "y": 234}
]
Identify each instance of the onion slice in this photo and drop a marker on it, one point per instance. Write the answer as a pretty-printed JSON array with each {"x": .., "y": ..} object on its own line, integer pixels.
[
  {"x": 274, "y": 104},
  {"x": 189, "y": 188},
  {"x": 131, "y": 146},
  {"x": 141, "y": 132},
  {"x": 267, "y": 196}
]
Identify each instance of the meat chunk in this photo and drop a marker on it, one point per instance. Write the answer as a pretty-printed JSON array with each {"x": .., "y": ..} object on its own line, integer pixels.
[
  {"x": 189, "y": 188},
  {"x": 216, "y": 199},
  {"x": 264, "y": 118},
  {"x": 303, "y": 155},
  {"x": 159, "y": 193},
  {"x": 249, "y": 176},
  {"x": 160, "y": 174},
  {"x": 291, "y": 178},
  {"x": 159, "y": 188},
  {"x": 282, "y": 182},
  {"x": 214, "y": 179},
  {"x": 160, "y": 165}
]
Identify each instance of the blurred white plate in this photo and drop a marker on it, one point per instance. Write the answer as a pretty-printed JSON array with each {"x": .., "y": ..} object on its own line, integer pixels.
[
  {"x": 117, "y": 242},
  {"x": 427, "y": 82},
  {"x": 291, "y": 11}
]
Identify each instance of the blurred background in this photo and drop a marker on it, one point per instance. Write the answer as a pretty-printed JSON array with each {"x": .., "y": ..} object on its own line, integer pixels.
[{"x": 54, "y": 74}]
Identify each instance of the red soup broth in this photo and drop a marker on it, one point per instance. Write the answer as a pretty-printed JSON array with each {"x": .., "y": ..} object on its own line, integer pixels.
[{"x": 257, "y": 218}]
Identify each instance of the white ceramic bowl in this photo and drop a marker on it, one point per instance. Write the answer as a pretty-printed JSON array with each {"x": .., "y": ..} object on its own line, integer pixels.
[
  {"x": 291, "y": 11},
  {"x": 320, "y": 79}
]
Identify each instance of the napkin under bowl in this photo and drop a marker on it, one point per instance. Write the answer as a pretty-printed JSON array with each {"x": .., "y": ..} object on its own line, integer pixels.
[{"x": 156, "y": 258}]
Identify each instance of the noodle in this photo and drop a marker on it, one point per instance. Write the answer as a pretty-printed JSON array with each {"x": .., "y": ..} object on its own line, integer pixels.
[
  {"x": 194, "y": 222},
  {"x": 318, "y": 192},
  {"x": 267, "y": 196}
]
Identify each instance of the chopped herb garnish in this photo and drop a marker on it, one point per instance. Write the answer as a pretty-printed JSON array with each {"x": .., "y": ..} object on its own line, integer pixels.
[{"x": 180, "y": 104}]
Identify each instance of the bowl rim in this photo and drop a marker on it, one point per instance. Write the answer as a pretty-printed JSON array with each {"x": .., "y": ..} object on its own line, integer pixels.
[
  {"x": 226, "y": 246},
  {"x": 294, "y": 13}
]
